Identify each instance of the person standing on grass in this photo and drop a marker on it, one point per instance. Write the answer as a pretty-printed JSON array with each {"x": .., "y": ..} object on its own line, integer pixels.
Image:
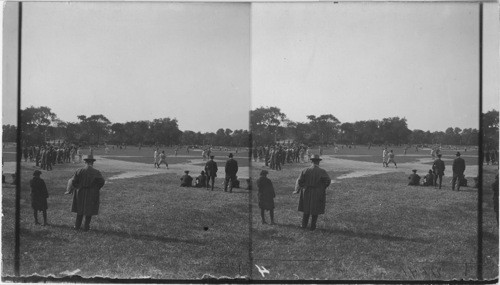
[
  {"x": 162, "y": 159},
  {"x": 384, "y": 158},
  {"x": 438, "y": 168},
  {"x": 211, "y": 171},
  {"x": 458, "y": 172},
  {"x": 313, "y": 182},
  {"x": 390, "y": 159},
  {"x": 155, "y": 158},
  {"x": 39, "y": 195},
  {"x": 231, "y": 170},
  {"x": 266, "y": 196},
  {"x": 88, "y": 181}
]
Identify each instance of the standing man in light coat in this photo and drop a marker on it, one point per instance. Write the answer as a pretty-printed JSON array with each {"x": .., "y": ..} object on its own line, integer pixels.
[
  {"x": 313, "y": 182},
  {"x": 88, "y": 181}
]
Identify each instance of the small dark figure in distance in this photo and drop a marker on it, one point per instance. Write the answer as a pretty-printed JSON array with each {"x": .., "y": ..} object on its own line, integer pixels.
[
  {"x": 458, "y": 172},
  {"x": 438, "y": 168},
  {"x": 211, "y": 171}
]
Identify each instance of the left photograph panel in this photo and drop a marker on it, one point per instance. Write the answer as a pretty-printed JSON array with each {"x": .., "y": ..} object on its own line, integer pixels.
[{"x": 134, "y": 139}]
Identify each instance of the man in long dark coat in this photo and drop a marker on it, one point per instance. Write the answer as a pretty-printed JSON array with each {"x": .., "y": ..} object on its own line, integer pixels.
[
  {"x": 39, "y": 195},
  {"x": 313, "y": 182},
  {"x": 231, "y": 170},
  {"x": 438, "y": 168},
  {"x": 266, "y": 196},
  {"x": 88, "y": 181},
  {"x": 211, "y": 171},
  {"x": 458, "y": 171}
]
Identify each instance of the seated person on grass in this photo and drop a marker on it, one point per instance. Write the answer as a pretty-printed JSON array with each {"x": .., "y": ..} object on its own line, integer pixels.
[
  {"x": 414, "y": 178},
  {"x": 429, "y": 179},
  {"x": 186, "y": 180},
  {"x": 201, "y": 180}
]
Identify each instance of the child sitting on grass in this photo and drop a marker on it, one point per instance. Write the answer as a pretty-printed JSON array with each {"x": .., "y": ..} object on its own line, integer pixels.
[{"x": 39, "y": 195}]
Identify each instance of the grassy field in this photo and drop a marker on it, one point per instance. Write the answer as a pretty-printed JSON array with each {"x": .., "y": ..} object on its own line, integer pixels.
[
  {"x": 374, "y": 227},
  {"x": 147, "y": 227}
]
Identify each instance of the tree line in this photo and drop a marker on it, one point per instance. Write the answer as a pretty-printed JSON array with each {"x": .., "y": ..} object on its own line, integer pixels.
[
  {"x": 40, "y": 125},
  {"x": 268, "y": 125}
]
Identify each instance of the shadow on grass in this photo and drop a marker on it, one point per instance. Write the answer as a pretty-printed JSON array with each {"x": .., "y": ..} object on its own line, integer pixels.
[
  {"x": 123, "y": 234},
  {"x": 351, "y": 233}
]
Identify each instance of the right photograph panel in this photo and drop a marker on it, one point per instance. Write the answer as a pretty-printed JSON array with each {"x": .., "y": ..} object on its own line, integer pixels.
[{"x": 365, "y": 127}]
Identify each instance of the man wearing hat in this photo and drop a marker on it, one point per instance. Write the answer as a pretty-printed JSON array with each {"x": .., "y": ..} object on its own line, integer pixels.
[
  {"x": 313, "y": 182},
  {"x": 211, "y": 171},
  {"x": 88, "y": 181},
  {"x": 458, "y": 171},
  {"x": 266, "y": 196},
  {"x": 186, "y": 179},
  {"x": 231, "y": 170},
  {"x": 414, "y": 178},
  {"x": 39, "y": 195},
  {"x": 438, "y": 168}
]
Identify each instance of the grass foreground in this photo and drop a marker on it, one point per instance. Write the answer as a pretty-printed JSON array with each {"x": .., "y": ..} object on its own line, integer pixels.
[{"x": 375, "y": 228}]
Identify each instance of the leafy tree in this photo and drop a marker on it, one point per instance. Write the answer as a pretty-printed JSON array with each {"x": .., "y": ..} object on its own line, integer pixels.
[
  {"x": 9, "y": 133},
  {"x": 490, "y": 129},
  {"x": 265, "y": 124},
  {"x": 35, "y": 122},
  {"x": 94, "y": 127},
  {"x": 394, "y": 130},
  {"x": 166, "y": 131},
  {"x": 326, "y": 127}
]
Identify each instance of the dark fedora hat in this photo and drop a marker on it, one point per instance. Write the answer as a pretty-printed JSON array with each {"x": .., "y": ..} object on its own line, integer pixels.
[
  {"x": 231, "y": 155},
  {"x": 458, "y": 153},
  {"x": 316, "y": 158},
  {"x": 37, "y": 173},
  {"x": 264, "y": 172},
  {"x": 89, "y": 157}
]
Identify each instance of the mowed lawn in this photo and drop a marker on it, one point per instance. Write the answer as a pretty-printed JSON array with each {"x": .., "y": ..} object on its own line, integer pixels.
[
  {"x": 148, "y": 227},
  {"x": 374, "y": 154},
  {"x": 376, "y": 228},
  {"x": 145, "y": 155}
]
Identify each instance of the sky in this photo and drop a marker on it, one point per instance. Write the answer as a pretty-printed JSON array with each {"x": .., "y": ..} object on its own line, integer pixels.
[
  {"x": 139, "y": 61},
  {"x": 365, "y": 61},
  {"x": 208, "y": 64}
]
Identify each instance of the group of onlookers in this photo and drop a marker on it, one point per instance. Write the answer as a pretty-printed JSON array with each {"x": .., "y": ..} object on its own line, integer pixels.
[
  {"x": 207, "y": 176},
  {"x": 435, "y": 175},
  {"x": 277, "y": 155},
  {"x": 45, "y": 156}
]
